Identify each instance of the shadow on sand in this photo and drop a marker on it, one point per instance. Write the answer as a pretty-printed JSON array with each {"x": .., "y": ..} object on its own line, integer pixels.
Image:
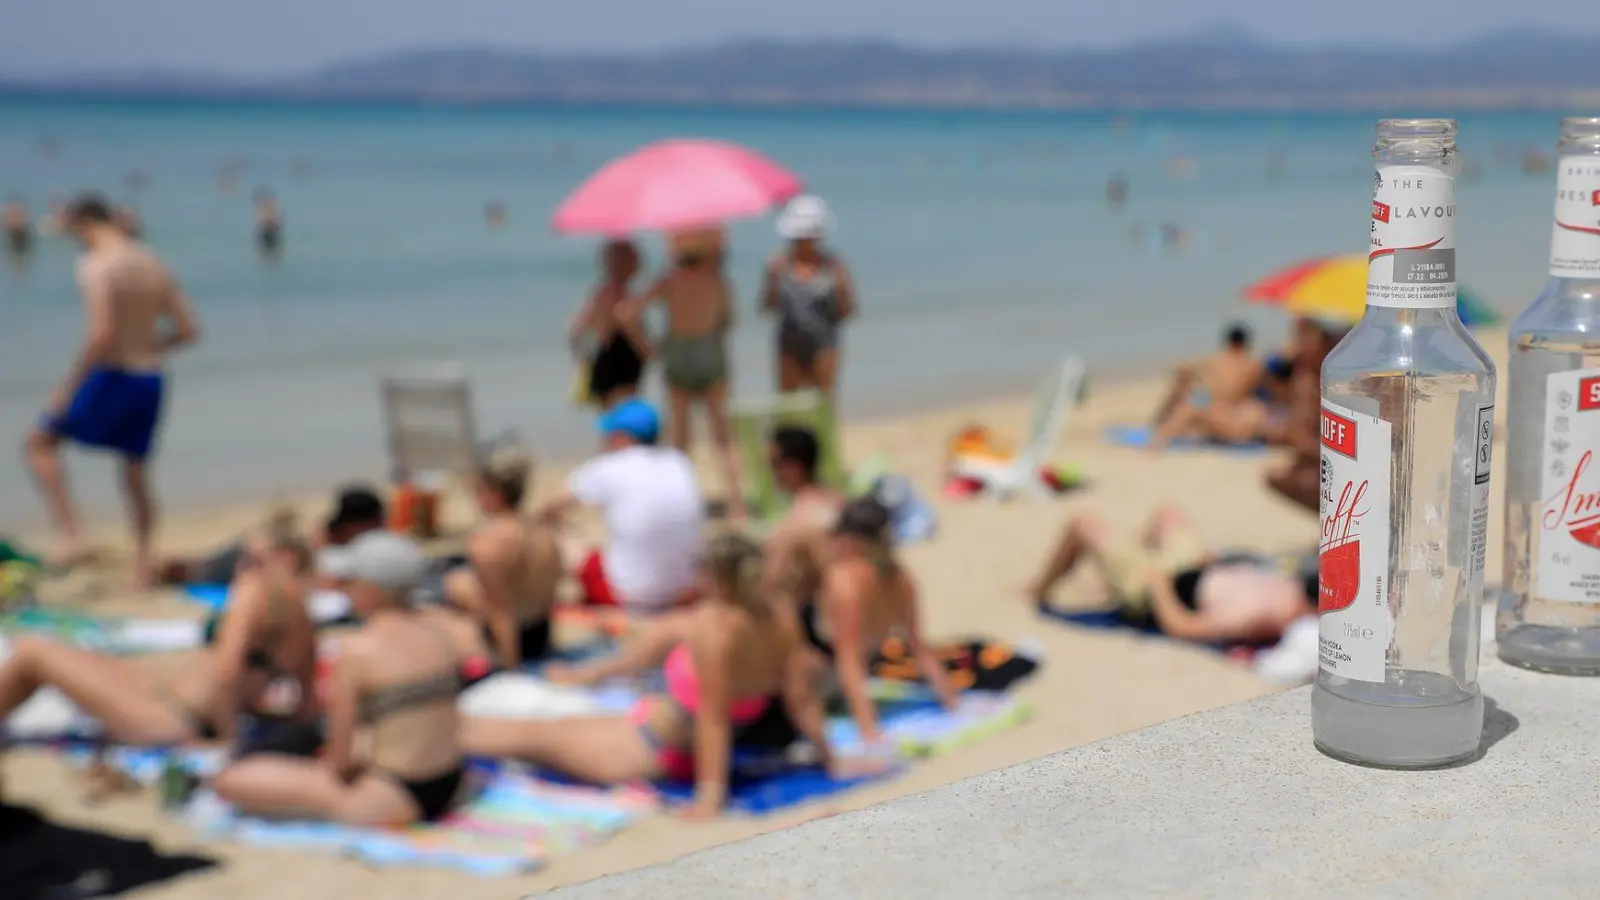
[{"x": 40, "y": 860}]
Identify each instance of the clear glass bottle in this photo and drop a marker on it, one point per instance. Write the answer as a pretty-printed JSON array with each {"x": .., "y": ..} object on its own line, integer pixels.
[
  {"x": 1549, "y": 614},
  {"x": 1407, "y": 430}
]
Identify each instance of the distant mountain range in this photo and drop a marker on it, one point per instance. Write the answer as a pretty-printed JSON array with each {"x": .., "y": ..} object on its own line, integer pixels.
[{"x": 1215, "y": 68}]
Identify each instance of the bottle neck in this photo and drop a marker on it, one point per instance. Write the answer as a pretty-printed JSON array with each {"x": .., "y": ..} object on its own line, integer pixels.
[{"x": 1417, "y": 318}]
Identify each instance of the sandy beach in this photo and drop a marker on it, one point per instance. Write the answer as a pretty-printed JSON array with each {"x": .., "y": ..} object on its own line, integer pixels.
[{"x": 1093, "y": 685}]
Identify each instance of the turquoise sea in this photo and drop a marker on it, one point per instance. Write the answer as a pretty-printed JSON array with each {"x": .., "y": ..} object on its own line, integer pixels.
[{"x": 981, "y": 241}]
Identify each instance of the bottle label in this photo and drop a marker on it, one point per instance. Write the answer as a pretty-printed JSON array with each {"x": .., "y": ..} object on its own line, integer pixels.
[
  {"x": 1478, "y": 526},
  {"x": 1412, "y": 261},
  {"x": 1575, "y": 242},
  {"x": 1353, "y": 553},
  {"x": 1569, "y": 517}
]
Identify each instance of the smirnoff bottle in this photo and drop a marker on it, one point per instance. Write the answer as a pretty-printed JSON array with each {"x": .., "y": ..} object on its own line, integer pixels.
[
  {"x": 1407, "y": 429},
  {"x": 1549, "y": 615}
]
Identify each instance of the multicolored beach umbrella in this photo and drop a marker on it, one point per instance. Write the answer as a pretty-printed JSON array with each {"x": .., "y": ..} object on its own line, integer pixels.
[{"x": 1335, "y": 287}]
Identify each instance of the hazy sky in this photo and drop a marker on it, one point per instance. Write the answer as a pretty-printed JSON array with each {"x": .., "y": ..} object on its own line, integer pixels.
[{"x": 268, "y": 36}]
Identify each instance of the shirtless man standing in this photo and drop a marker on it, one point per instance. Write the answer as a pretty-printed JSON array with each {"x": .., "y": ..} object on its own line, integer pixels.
[
  {"x": 111, "y": 396},
  {"x": 513, "y": 567},
  {"x": 1214, "y": 399},
  {"x": 1298, "y": 479},
  {"x": 694, "y": 353},
  {"x": 797, "y": 548}
]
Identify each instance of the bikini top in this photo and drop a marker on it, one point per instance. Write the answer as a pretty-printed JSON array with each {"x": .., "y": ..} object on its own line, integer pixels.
[
  {"x": 683, "y": 686},
  {"x": 383, "y": 702}
]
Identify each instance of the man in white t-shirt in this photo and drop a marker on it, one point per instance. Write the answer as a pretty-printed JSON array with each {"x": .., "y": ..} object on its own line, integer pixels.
[{"x": 653, "y": 510}]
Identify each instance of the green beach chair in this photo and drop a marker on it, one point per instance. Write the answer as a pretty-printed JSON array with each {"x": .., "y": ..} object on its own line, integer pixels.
[{"x": 754, "y": 418}]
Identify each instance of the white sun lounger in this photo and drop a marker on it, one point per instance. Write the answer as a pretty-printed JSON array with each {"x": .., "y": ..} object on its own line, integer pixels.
[
  {"x": 1057, "y": 394},
  {"x": 428, "y": 417}
]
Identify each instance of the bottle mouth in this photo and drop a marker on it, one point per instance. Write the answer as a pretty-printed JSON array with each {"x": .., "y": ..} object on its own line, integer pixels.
[
  {"x": 1580, "y": 134},
  {"x": 1427, "y": 141},
  {"x": 1416, "y": 128}
]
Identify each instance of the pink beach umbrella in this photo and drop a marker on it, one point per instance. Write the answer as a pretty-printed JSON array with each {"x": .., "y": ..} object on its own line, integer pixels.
[{"x": 674, "y": 185}]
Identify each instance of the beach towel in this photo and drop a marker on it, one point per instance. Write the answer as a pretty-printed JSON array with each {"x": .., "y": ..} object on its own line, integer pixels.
[
  {"x": 513, "y": 823},
  {"x": 916, "y": 725},
  {"x": 1138, "y": 438},
  {"x": 327, "y": 607},
  {"x": 1114, "y": 620},
  {"x": 973, "y": 664},
  {"x": 104, "y": 634},
  {"x": 763, "y": 784}
]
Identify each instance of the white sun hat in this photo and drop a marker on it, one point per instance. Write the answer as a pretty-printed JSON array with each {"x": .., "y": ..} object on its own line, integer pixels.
[{"x": 806, "y": 217}]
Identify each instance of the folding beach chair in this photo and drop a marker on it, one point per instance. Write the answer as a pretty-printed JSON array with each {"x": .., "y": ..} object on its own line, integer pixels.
[
  {"x": 754, "y": 418},
  {"x": 1061, "y": 390},
  {"x": 428, "y": 416}
]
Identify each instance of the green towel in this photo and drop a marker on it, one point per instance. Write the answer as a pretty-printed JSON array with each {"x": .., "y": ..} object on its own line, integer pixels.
[{"x": 753, "y": 423}]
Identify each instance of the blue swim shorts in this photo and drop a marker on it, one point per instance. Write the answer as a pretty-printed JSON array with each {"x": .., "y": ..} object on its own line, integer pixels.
[{"x": 113, "y": 410}]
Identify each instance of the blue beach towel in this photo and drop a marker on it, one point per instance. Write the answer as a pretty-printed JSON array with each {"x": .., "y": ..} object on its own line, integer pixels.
[
  {"x": 763, "y": 784},
  {"x": 212, "y": 596},
  {"x": 1138, "y": 437}
]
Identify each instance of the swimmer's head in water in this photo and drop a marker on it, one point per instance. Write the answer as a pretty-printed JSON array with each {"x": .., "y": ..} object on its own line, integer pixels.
[
  {"x": 733, "y": 565},
  {"x": 619, "y": 260},
  {"x": 793, "y": 454},
  {"x": 1237, "y": 336},
  {"x": 503, "y": 479}
]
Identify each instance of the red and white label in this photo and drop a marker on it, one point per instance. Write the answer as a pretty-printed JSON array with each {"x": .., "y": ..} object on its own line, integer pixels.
[
  {"x": 1575, "y": 240},
  {"x": 1568, "y": 567},
  {"x": 1353, "y": 551},
  {"x": 1412, "y": 259}
]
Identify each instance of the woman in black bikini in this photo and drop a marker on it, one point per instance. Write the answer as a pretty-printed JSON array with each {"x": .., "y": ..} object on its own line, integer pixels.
[
  {"x": 261, "y": 663},
  {"x": 620, "y": 343},
  {"x": 396, "y": 677}
]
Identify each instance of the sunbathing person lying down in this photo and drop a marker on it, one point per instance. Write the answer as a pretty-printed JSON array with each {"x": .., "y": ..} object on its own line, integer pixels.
[
  {"x": 724, "y": 660},
  {"x": 260, "y": 662},
  {"x": 1167, "y": 576}
]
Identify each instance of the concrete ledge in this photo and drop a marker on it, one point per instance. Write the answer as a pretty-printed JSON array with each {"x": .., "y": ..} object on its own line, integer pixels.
[{"x": 1229, "y": 803}]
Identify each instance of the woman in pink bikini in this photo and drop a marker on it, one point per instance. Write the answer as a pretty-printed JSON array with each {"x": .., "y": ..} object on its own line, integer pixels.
[{"x": 726, "y": 661}]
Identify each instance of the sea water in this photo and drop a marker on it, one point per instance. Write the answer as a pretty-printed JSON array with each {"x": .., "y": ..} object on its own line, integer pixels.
[{"x": 980, "y": 239}]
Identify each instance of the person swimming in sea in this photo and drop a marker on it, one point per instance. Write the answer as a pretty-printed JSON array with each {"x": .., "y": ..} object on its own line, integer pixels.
[
  {"x": 1117, "y": 190},
  {"x": 694, "y": 353},
  {"x": 18, "y": 223},
  {"x": 494, "y": 213},
  {"x": 269, "y": 223},
  {"x": 611, "y": 317}
]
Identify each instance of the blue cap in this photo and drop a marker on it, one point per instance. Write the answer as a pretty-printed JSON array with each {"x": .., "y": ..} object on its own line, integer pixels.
[{"x": 634, "y": 418}]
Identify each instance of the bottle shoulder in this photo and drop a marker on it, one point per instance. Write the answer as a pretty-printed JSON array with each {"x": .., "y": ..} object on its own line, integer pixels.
[
  {"x": 1563, "y": 307},
  {"x": 1424, "y": 352}
]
